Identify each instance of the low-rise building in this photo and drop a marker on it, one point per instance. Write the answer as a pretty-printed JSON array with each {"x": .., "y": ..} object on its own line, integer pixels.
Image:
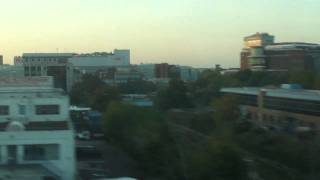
[
  {"x": 92, "y": 62},
  {"x": 36, "y": 135},
  {"x": 288, "y": 108},
  {"x": 50, "y": 64},
  {"x": 141, "y": 100},
  {"x": 7, "y": 70}
]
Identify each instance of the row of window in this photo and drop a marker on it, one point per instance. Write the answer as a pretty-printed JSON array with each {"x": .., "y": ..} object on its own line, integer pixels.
[
  {"x": 39, "y": 110},
  {"x": 60, "y": 60}
]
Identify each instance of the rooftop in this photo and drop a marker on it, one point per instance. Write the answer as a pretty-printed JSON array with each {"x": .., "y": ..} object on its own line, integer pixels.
[
  {"x": 292, "y": 45},
  {"x": 299, "y": 94},
  {"x": 48, "y": 55},
  {"x": 258, "y": 35}
]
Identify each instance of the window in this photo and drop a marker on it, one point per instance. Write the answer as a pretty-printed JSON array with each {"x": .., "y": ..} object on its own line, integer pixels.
[
  {"x": 4, "y": 110},
  {"x": 41, "y": 152},
  {"x": 22, "y": 109},
  {"x": 47, "y": 109}
]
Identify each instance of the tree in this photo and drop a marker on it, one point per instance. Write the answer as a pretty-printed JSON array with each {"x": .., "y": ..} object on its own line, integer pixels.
[
  {"x": 143, "y": 133},
  {"x": 217, "y": 160},
  {"x": 137, "y": 87},
  {"x": 174, "y": 96},
  {"x": 93, "y": 92},
  {"x": 225, "y": 111}
]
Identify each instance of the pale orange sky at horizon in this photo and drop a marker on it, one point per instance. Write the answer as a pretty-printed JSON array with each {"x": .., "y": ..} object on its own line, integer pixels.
[{"x": 199, "y": 33}]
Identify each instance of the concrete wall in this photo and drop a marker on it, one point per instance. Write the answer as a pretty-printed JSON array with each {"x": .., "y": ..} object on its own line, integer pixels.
[
  {"x": 30, "y": 103},
  {"x": 64, "y": 166}
]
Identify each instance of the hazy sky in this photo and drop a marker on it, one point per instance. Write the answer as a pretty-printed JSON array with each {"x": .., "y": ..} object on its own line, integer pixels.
[{"x": 200, "y": 33}]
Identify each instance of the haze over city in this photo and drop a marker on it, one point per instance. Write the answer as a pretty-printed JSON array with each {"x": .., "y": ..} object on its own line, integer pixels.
[{"x": 199, "y": 33}]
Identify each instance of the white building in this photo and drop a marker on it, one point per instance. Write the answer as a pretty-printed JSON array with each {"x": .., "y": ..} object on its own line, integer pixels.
[
  {"x": 36, "y": 135},
  {"x": 90, "y": 63}
]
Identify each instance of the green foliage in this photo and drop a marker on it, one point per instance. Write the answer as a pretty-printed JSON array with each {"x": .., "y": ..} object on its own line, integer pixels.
[
  {"x": 225, "y": 112},
  {"x": 174, "y": 96},
  {"x": 137, "y": 87},
  {"x": 217, "y": 160},
  {"x": 208, "y": 86},
  {"x": 93, "y": 92},
  {"x": 144, "y": 135},
  {"x": 307, "y": 79}
]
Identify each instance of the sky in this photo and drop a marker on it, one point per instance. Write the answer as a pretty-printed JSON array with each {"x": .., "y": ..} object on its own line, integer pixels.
[{"x": 199, "y": 33}]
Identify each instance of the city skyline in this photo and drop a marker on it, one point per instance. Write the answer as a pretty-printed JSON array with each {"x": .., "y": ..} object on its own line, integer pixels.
[{"x": 196, "y": 33}]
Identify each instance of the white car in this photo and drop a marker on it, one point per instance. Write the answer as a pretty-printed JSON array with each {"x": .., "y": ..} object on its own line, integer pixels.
[{"x": 84, "y": 135}]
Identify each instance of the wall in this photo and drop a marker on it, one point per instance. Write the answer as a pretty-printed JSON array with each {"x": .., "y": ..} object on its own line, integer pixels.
[
  {"x": 30, "y": 102},
  {"x": 66, "y": 163}
]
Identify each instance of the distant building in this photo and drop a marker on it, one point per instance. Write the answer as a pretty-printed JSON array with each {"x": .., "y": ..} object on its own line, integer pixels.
[
  {"x": 91, "y": 63},
  {"x": 188, "y": 73},
  {"x": 260, "y": 52},
  {"x": 1, "y": 60},
  {"x": 50, "y": 64},
  {"x": 147, "y": 71},
  {"x": 37, "y": 138},
  {"x": 119, "y": 75},
  {"x": 12, "y": 71},
  {"x": 17, "y": 60},
  {"x": 67, "y": 68},
  {"x": 288, "y": 108},
  {"x": 141, "y": 100},
  {"x": 162, "y": 71}
]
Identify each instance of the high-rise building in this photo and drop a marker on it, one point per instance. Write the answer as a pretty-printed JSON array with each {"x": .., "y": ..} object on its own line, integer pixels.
[
  {"x": 36, "y": 135},
  {"x": 252, "y": 55}
]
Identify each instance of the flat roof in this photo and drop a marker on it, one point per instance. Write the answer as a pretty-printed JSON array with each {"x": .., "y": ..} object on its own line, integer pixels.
[
  {"x": 298, "y": 94},
  {"x": 48, "y": 54}
]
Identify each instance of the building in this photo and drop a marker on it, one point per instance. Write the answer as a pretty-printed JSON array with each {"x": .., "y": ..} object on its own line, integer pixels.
[
  {"x": 1, "y": 60},
  {"x": 261, "y": 52},
  {"x": 141, "y": 100},
  {"x": 288, "y": 108},
  {"x": 147, "y": 71},
  {"x": 119, "y": 75},
  {"x": 50, "y": 64},
  {"x": 67, "y": 68},
  {"x": 7, "y": 70},
  {"x": 252, "y": 55},
  {"x": 188, "y": 73},
  {"x": 162, "y": 71},
  {"x": 36, "y": 135},
  {"x": 91, "y": 63},
  {"x": 17, "y": 61}
]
